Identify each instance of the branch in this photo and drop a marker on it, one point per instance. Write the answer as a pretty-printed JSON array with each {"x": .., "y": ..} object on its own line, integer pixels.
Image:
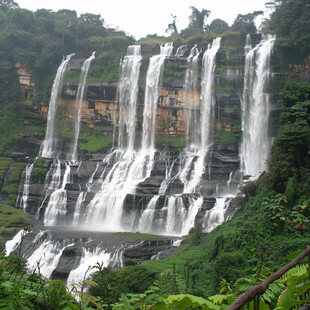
[{"x": 260, "y": 289}]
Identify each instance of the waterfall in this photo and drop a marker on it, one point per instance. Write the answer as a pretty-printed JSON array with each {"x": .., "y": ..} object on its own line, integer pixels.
[
  {"x": 24, "y": 198},
  {"x": 11, "y": 245},
  {"x": 79, "y": 99},
  {"x": 255, "y": 146},
  {"x": 57, "y": 205},
  {"x": 47, "y": 255},
  {"x": 192, "y": 99},
  {"x": 207, "y": 92},
  {"x": 48, "y": 148},
  {"x": 216, "y": 215},
  {"x": 147, "y": 217},
  {"x": 88, "y": 259},
  {"x": 153, "y": 79},
  {"x": 127, "y": 97},
  {"x": 206, "y": 109},
  {"x": 181, "y": 50},
  {"x": 178, "y": 220},
  {"x": 105, "y": 210}
]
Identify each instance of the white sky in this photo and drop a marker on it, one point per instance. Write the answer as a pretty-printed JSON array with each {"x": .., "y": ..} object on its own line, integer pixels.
[{"x": 142, "y": 17}]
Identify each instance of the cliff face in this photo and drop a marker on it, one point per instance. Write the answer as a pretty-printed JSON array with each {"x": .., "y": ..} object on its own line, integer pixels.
[{"x": 99, "y": 119}]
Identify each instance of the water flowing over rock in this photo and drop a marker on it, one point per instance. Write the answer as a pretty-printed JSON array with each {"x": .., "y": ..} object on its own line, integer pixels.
[
  {"x": 79, "y": 97},
  {"x": 48, "y": 148},
  {"x": 142, "y": 184},
  {"x": 255, "y": 146}
]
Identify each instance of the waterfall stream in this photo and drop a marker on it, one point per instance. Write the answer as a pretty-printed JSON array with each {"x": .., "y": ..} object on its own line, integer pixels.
[
  {"x": 79, "y": 98},
  {"x": 255, "y": 146},
  {"x": 182, "y": 183},
  {"x": 49, "y": 145}
]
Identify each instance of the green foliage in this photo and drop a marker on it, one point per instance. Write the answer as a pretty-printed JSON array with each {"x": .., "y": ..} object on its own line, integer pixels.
[
  {"x": 246, "y": 22},
  {"x": 4, "y": 166},
  {"x": 290, "y": 151},
  {"x": 297, "y": 288},
  {"x": 228, "y": 266},
  {"x": 218, "y": 26},
  {"x": 171, "y": 142},
  {"x": 93, "y": 144},
  {"x": 10, "y": 191},
  {"x": 196, "y": 234},
  {"x": 12, "y": 217},
  {"x": 111, "y": 285},
  {"x": 197, "y": 22},
  {"x": 290, "y": 21},
  {"x": 280, "y": 211}
]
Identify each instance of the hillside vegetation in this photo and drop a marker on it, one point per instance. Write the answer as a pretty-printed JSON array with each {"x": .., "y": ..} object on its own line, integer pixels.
[{"x": 272, "y": 225}]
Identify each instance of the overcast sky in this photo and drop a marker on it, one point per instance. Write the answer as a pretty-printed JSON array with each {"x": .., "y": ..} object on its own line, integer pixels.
[{"x": 142, "y": 17}]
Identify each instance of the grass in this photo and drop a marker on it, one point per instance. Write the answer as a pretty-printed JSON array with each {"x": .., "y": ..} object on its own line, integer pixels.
[
  {"x": 174, "y": 142},
  {"x": 93, "y": 144},
  {"x": 4, "y": 166},
  {"x": 12, "y": 217}
]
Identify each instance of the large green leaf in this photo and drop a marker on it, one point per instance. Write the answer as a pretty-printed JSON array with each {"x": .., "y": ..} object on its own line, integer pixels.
[{"x": 184, "y": 301}]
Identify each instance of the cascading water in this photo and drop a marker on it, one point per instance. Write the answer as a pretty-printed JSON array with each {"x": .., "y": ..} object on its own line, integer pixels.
[
  {"x": 88, "y": 259},
  {"x": 127, "y": 97},
  {"x": 11, "y": 245},
  {"x": 105, "y": 210},
  {"x": 24, "y": 198},
  {"x": 56, "y": 209},
  {"x": 179, "y": 220},
  {"x": 48, "y": 147},
  {"x": 153, "y": 80},
  {"x": 192, "y": 99},
  {"x": 172, "y": 209},
  {"x": 47, "y": 255},
  {"x": 216, "y": 215},
  {"x": 79, "y": 99},
  {"x": 255, "y": 146}
]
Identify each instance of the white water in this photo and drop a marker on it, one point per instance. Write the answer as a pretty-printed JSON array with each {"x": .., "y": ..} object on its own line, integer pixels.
[
  {"x": 256, "y": 143},
  {"x": 127, "y": 97},
  {"x": 89, "y": 258},
  {"x": 181, "y": 51},
  {"x": 153, "y": 81},
  {"x": 178, "y": 220},
  {"x": 47, "y": 255},
  {"x": 79, "y": 99},
  {"x": 24, "y": 198},
  {"x": 48, "y": 148},
  {"x": 216, "y": 215},
  {"x": 146, "y": 219},
  {"x": 105, "y": 210},
  {"x": 192, "y": 99},
  {"x": 56, "y": 210},
  {"x": 51, "y": 183},
  {"x": 11, "y": 245}
]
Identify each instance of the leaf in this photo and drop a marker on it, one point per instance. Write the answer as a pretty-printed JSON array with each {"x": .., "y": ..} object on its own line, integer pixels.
[
  {"x": 30, "y": 292},
  {"x": 183, "y": 301},
  {"x": 221, "y": 299},
  {"x": 126, "y": 302},
  {"x": 90, "y": 283}
]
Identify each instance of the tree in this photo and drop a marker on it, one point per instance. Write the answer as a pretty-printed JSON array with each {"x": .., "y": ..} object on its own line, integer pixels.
[
  {"x": 246, "y": 22},
  {"x": 290, "y": 21},
  {"x": 172, "y": 27},
  {"x": 218, "y": 26},
  {"x": 6, "y": 5},
  {"x": 197, "y": 22},
  {"x": 90, "y": 25},
  {"x": 290, "y": 152},
  {"x": 198, "y": 19}
]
